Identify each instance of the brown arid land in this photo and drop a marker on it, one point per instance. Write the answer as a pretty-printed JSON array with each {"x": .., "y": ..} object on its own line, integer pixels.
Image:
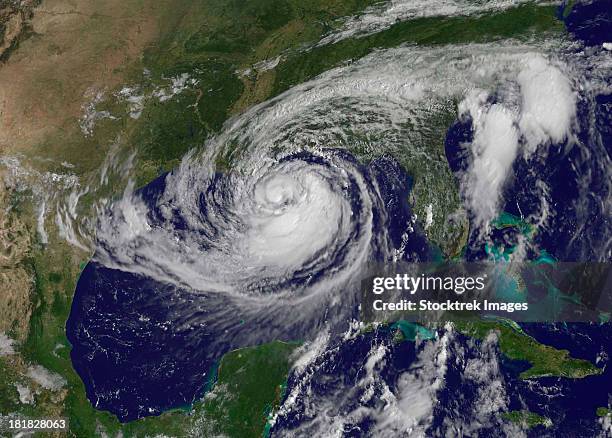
[
  {"x": 54, "y": 55},
  {"x": 72, "y": 48}
]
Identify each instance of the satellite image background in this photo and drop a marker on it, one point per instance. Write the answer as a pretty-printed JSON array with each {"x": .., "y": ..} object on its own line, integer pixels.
[{"x": 191, "y": 192}]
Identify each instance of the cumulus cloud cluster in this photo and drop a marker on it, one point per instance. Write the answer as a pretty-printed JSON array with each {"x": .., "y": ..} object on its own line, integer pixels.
[
  {"x": 544, "y": 114},
  {"x": 322, "y": 404},
  {"x": 6, "y": 345},
  {"x": 45, "y": 378},
  {"x": 383, "y": 15}
]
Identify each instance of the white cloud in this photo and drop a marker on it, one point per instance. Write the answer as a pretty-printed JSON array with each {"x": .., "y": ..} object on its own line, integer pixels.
[
  {"x": 409, "y": 410},
  {"x": 428, "y": 216},
  {"x": 494, "y": 149},
  {"x": 548, "y": 105},
  {"x": 45, "y": 378},
  {"x": 545, "y": 113},
  {"x": 307, "y": 353},
  {"x": 606, "y": 426},
  {"x": 91, "y": 115},
  {"x": 25, "y": 394},
  {"x": 6, "y": 345},
  {"x": 385, "y": 14}
]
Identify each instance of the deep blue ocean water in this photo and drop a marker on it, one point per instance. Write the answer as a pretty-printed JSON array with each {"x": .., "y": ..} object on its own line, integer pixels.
[
  {"x": 569, "y": 403},
  {"x": 142, "y": 347},
  {"x": 590, "y": 21}
]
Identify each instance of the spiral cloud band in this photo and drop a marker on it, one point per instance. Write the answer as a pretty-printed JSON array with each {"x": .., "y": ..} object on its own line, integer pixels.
[{"x": 263, "y": 233}]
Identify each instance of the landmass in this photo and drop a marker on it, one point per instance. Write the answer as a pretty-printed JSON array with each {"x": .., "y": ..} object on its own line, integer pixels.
[
  {"x": 247, "y": 389},
  {"x": 603, "y": 412},
  {"x": 526, "y": 419},
  {"x": 517, "y": 345}
]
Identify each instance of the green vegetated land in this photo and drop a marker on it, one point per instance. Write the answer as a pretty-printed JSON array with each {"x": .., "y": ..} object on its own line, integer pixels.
[
  {"x": 249, "y": 386},
  {"x": 249, "y": 389},
  {"x": 211, "y": 40},
  {"x": 523, "y": 22},
  {"x": 544, "y": 360},
  {"x": 526, "y": 419}
]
